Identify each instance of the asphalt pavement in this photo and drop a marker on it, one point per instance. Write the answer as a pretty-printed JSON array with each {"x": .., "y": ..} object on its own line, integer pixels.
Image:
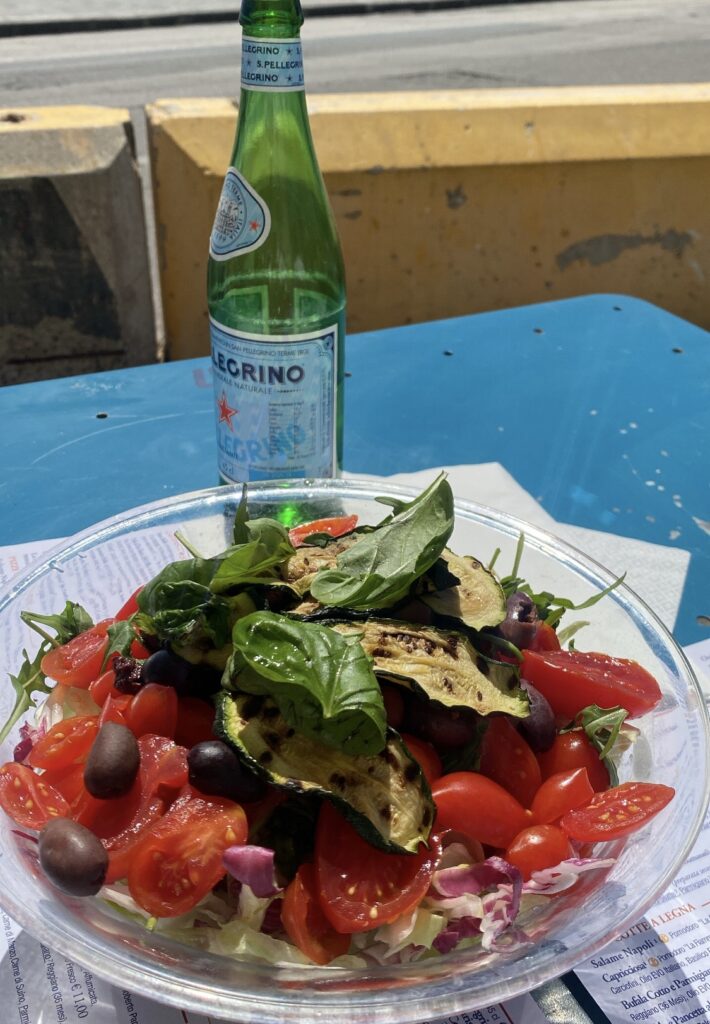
[{"x": 33, "y": 17}]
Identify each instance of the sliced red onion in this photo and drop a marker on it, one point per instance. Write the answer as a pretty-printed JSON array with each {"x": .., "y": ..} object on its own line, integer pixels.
[
  {"x": 252, "y": 866},
  {"x": 28, "y": 738},
  {"x": 450, "y": 936},
  {"x": 563, "y": 875},
  {"x": 476, "y": 878}
]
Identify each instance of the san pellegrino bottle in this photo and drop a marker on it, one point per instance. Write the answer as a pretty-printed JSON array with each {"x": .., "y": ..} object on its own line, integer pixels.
[{"x": 276, "y": 285}]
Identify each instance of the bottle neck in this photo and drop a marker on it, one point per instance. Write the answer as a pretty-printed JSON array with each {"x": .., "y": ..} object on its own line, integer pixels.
[
  {"x": 272, "y": 60},
  {"x": 271, "y": 19}
]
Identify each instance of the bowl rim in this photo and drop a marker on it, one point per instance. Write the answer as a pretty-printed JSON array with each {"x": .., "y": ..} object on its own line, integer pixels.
[{"x": 411, "y": 1004}]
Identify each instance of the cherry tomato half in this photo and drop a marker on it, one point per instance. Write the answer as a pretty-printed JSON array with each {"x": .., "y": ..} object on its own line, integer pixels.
[
  {"x": 571, "y": 750},
  {"x": 618, "y": 812},
  {"x": 78, "y": 662},
  {"x": 179, "y": 859},
  {"x": 115, "y": 709},
  {"x": 305, "y": 923},
  {"x": 545, "y": 639},
  {"x": 572, "y": 680},
  {"x": 360, "y": 887},
  {"x": 195, "y": 718},
  {"x": 509, "y": 760},
  {"x": 154, "y": 710},
  {"x": 66, "y": 742},
  {"x": 130, "y": 607},
  {"x": 27, "y": 798},
  {"x": 161, "y": 777},
  {"x": 104, "y": 687},
  {"x": 537, "y": 848},
  {"x": 334, "y": 527},
  {"x": 479, "y": 808},
  {"x": 561, "y": 793}
]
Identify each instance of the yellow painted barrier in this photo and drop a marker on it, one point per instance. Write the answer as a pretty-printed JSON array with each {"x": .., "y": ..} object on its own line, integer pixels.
[{"x": 456, "y": 202}]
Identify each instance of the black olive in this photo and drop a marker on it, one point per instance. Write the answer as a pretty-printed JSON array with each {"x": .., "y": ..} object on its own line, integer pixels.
[
  {"x": 539, "y": 727},
  {"x": 439, "y": 725},
  {"x": 113, "y": 762},
  {"x": 215, "y": 769},
  {"x": 167, "y": 669},
  {"x": 72, "y": 857}
]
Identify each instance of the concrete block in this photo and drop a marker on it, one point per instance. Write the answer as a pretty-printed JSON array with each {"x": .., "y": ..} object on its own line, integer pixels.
[
  {"x": 450, "y": 203},
  {"x": 75, "y": 293}
]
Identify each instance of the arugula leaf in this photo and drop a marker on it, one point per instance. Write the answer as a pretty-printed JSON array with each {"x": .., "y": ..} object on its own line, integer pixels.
[
  {"x": 378, "y": 570},
  {"x": 550, "y": 608},
  {"x": 121, "y": 635},
  {"x": 565, "y": 635},
  {"x": 72, "y": 620},
  {"x": 322, "y": 682},
  {"x": 30, "y": 679},
  {"x": 602, "y": 727}
]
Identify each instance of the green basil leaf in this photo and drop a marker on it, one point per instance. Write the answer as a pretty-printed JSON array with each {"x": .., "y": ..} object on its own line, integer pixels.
[
  {"x": 239, "y": 531},
  {"x": 322, "y": 682},
  {"x": 255, "y": 561},
  {"x": 379, "y": 569},
  {"x": 199, "y": 571},
  {"x": 189, "y": 613}
]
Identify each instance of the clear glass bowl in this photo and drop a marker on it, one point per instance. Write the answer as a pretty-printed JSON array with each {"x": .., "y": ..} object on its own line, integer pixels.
[{"x": 101, "y": 566}]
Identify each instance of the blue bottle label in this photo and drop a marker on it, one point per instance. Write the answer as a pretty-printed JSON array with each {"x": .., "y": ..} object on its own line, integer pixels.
[
  {"x": 272, "y": 64},
  {"x": 275, "y": 403},
  {"x": 242, "y": 221}
]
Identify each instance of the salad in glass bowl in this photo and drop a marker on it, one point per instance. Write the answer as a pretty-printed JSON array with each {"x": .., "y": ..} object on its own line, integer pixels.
[{"x": 342, "y": 744}]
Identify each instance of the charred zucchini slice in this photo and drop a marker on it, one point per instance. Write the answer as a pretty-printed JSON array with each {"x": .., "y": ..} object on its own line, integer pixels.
[
  {"x": 385, "y": 796},
  {"x": 298, "y": 572},
  {"x": 441, "y": 664},
  {"x": 477, "y": 599}
]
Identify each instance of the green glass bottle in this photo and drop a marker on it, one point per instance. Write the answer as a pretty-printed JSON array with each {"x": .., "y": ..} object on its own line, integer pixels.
[{"x": 276, "y": 284}]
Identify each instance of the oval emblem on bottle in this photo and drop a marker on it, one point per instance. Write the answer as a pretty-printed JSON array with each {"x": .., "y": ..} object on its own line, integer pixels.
[{"x": 242, "y": 221}]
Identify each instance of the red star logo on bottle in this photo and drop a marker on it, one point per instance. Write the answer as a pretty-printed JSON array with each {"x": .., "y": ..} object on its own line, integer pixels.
[
  {"x": 226, "y": 412},
  {"x": 254, "y": 225}
]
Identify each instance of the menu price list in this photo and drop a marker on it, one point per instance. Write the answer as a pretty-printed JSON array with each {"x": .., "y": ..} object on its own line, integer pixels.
[{"x": 40, "y": 986}]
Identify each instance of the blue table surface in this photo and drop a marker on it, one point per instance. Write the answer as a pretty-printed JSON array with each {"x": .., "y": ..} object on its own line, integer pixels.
[{"x": 599, "y": 406}]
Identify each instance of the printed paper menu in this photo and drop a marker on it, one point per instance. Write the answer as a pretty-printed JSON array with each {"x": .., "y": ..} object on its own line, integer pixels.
[{"x": 658, "y": 972}]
